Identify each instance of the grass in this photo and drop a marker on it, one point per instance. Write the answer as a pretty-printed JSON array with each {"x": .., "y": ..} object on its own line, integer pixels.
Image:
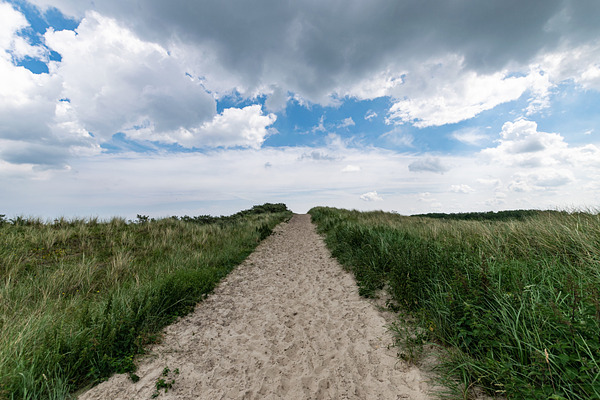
[
  {"x": 514, "y": 297},
  {"x": 78, "y": 299}
]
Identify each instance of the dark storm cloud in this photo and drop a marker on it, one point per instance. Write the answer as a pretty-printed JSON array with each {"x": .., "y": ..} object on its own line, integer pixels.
[{"x": 315, "y": 46}]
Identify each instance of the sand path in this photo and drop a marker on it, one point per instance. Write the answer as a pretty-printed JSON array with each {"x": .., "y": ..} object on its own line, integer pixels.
[{"x": 288, "y": 323}]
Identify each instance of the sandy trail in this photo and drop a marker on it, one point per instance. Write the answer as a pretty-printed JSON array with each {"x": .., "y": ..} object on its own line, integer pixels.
[{"x": 288, "y": 323}]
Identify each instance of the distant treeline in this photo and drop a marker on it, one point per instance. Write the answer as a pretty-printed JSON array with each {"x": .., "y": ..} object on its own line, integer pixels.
[
  {"x": 256, "y": 210},
  {"x": 140, "y": 219},
  {"x": 519, "y": 215}
]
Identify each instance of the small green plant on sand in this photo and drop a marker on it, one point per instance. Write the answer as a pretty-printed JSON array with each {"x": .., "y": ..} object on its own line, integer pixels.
[{"x": 165, "y": 382}]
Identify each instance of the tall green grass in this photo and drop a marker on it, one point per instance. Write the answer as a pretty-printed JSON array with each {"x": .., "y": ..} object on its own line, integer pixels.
[
  {"x": 78, "y": 299},
  {"x": 516, "y": 300}
]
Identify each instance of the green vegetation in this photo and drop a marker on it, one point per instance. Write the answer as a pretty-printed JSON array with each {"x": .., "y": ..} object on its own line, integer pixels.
[
  {"x": 486, "y": 216},
  {"x": 164, "y": 383},
  {"x": 78, "y": 299},
  {"x": 515, "y": 300}
]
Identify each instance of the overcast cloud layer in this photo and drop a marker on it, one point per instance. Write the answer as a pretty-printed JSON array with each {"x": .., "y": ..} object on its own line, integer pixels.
[{"x": 413, "y": 106}]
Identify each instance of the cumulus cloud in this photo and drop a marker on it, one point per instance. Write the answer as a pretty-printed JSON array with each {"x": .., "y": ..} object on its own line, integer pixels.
[
  {"x": 465, "y": 189},
  {"x": 346, "y": 123},
  {"x": 371, "y": 196},
  {"x": 540, "y": 180},
  {"x": 37, "y": 127},
  {"x": 351, "y": 168},
  {"x": 522, "y": 144},
  {"x": 540, "y": 161},
  {"x": 428, "y": 164},
  {"x": 577, "y": 63},
  {"x": 14, "y": 46},
  {"x": 453, "y": 94},
  {"x": 245, "y": 127},
  {"x": 116, "y": 81},
  {"x": 108, "y": 81}
]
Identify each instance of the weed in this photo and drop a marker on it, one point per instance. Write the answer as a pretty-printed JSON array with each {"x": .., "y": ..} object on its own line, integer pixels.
[
  {"x": 164, "y": 383},
  {"x": 409, "y": 340}
]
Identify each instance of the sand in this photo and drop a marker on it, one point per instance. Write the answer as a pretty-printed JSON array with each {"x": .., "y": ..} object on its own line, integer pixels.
[{"x": 288, "y": 323}]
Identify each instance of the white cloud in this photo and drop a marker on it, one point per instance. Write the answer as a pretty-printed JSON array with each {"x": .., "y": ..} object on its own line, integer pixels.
[
  {"x": 351, "y": 168},
  {"x": 536, "y": 161},
  {"x": 13, "y": 46},
  {"x": 371, "y": 196},
  {"x": 522, "y": 144},
  {"x": 489, "y": 182},
  {"x": 431, "y": 203},
  {"x": 118, "y": 82},
  {"x": 372, "y": 87},
  {"x": 542, "y": 179},
  {"x": 370, "y": 115},
  {"x": 461, "y": 189},
  {"x": 11, "y": 21},
  {"x": 452, "y": 94},
  {"x": 245, "y": 127},
  {"x": 36, "y": 127},
  {"x": 398, "y": 138},
  {"x": 108, "y": 81},
  {"x": 320, "y": 127},
  {"x": 223, "y": 181},
  {"x": 428, "y": 164},
  {"x": 470, "y": 136},
  {"x": 577, "y": 63},
  {"x": 425, "y": 197},
  {"x": 346, "y": 123}
]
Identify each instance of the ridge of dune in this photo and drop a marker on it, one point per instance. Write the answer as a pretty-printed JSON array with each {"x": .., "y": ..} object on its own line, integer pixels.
[{"x": 287, "y": 323}]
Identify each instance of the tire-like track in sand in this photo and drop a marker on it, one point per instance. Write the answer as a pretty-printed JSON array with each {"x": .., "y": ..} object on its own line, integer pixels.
[{"x": 288, "y": 323}]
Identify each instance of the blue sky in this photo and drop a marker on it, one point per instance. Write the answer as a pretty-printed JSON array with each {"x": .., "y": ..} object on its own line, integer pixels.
[{"x": 124, "y": 108}]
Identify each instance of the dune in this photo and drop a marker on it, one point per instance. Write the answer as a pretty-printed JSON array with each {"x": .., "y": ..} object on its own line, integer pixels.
[{"x": 288, "y": 323}]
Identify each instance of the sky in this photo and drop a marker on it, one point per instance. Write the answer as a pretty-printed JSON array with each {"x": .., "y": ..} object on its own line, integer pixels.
[{"x": 125, "y": 107}]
